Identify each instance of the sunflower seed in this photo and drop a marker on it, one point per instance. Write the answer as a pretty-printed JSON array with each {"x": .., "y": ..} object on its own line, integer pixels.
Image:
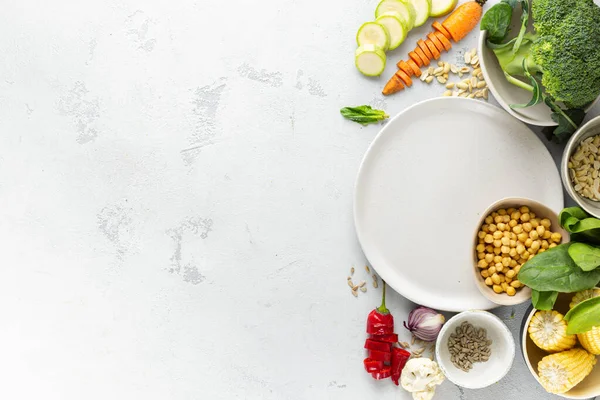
[
  {"x": 363, "y": 289},
  {"x": 352, "y": 271},
  {"x": 404, "y": 345},
  {"x": 367, "y": 269},
  {"x": 354, "y": 293},
  {"x": 350, "y": 283}
]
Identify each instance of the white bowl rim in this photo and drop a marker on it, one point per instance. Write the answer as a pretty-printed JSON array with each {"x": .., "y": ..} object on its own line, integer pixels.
[
  {"x": 497, "y": 323},
  {"x": 504, "y": 104}
]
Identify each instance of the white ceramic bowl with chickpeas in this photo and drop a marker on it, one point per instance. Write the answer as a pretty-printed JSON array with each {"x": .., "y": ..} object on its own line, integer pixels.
[
  {"x": 580, "y": 167},
  {"x": 510, "y": 232}
]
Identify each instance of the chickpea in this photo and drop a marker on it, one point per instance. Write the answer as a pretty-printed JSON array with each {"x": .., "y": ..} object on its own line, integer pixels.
[
  {"x": 498, "y": 219},
  {"x": 520, "y": 249},
  {"x": 528, "y": 242},
  {"x": 524, "y": 209},
  {"x": 511, "y": 291},
  {"x": 512, "y": 252},
  {"x": 489, "y": 248},
  {"x": 540, "y": 230},
  {"x": 527, "y": 227},
  {"x": 489, "y": 219},
  {"x": 505, "y": 241},
  {"x": 545, "y": 244},
  {"x": 510, "y": 274},
  {"x": 501, "y": 226},
  {"x": 488, "y": 238},
  {"x": 552, "y": 245},
  {"x": 494, "y": 214},
  {"x": 497, "y": 235},
  {"x": 505, "y": 249},
  {"x": 481, "y": 234},
  {"x": 497, "y": 251},
  {"x": 515, "y": 283},
  {"x": 517, "y": 269},
  {"x": 502, "y": 279},
  {"x": 497, "y": 289},
  {"x": 546, "y": 223},
  {"x": 532, "y": 215},
  {"x": 530, "y": 257},
  {"x": 502, "y": 211},
  {"x": 556, "y": 237},
  {"x": 541, "y": 251},
  {"x": 517, "y": 229},
  {"x": 492, "y": 228},
  {"x": 534, "y": 223},
  {"x": 506, "y": 261},
  {"x": 512, "y": 223},
  {"x": 534, "y": 235},
  {"x": 525, "y": 217},
  {"x": 547, "y": 234},
  {"x": 535, "y": 245},
  {"x": 484, "y": 274},
  {"x": 497, "y": 243},
  {"x": 522, "y": 237},
  {"x": 492, "y": 271},
  {"x": 482, "y": 264},
  {"x": 488, "y": 281},
  {"x": 512, "y": 243},
  {"x": 513, "y": 236},
  {"x": 497, "y": 259},
  {"x": 525, "y": 255},
  {"x": 499, "y": 266},
  {"x": 506, "y": 234},
  {"x": 496, "y": 279},
  {"x": 516, "y": 215},
  {"x": 513, "y": 263},
  {"x": 510, "y": 210},
  {"x": 489, "y": 258}
]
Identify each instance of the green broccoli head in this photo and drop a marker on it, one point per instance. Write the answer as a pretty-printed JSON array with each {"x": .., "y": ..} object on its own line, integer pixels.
[
  {"x": 547, "y": 14},
  {"x": 568, "y": 55}
]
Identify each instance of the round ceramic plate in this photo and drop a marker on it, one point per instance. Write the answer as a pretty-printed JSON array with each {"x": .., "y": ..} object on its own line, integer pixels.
[{"x": 425, "y": 180}]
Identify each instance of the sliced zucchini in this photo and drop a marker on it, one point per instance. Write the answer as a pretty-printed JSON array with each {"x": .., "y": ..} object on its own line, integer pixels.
[
  {"x": 441, "y": 7},
  {"x": 395, "y": 26},
  {"x": 370, "y": 60},
  {"x": 422, "y": 10},
  {"x": 411, "y": 11},
  {"x": 373, "y": 33},
  {"x": 407, "y": 13}
]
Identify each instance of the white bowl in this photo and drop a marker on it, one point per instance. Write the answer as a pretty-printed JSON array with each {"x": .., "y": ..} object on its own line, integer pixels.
[
  {"x": 482, "y": 374},
  {"x": 506, "y": 93}
]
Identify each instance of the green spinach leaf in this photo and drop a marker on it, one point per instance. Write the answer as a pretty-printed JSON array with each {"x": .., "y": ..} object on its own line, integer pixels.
[
  {"x": 496, "y": 22},
  {"x": 580, "y": 225},
  {"x": 363, "y": 114},
  {"x": 584, "y": 316},
  {"x": 554, "y": 270},
  {"x": 537, "y": 96},
  {"x": 543, "y": 300},
  {"x": 585, "y": 256}
]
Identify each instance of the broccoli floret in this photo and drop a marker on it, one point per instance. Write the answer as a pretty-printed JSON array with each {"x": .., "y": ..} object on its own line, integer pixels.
[{"x": 565, "y": 50}]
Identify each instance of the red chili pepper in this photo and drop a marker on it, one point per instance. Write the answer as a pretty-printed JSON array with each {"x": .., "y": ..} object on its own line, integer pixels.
[
  {"x": 373, "y": 365},
  {"x": 399, "y": 359},
  {"x": 380, "y": 321},
  {"x": 385, "y": 372},
  {"x": 386, "y": 357},
  {"x": 371, "y": 344},
  {"x": 391, "y": 338}
]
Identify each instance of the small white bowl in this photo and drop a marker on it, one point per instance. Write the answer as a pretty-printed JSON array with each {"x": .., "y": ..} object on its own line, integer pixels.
[
  {"x": 506, "y": 93},
  {"x": 482, "y": 374}
]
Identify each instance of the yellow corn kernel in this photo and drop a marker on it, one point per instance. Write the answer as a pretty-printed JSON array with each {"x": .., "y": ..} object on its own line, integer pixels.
[
  {"x": 560, "y": 372},
  {"x": 548, "y": 330},
  {"x": 584, "y": 295},
  {"x": 590, "y": 340}
]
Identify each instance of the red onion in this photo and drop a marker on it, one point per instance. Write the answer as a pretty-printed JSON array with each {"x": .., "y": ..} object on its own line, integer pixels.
[{"x": 425, "y": 323}]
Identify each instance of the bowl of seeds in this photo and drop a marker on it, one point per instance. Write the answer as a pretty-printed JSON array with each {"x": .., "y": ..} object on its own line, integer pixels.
[
  {"x": 510, "y": 232},
  {"x": 475, "y": 349},
  {"x": 580, "y": 167}
]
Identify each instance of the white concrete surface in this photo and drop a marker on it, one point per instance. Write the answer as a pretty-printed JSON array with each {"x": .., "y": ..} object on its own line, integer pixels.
[{"x": 175, "y": 202}]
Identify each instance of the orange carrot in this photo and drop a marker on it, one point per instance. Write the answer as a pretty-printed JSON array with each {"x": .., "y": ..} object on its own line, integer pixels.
[
  {"x": 415, "y": 68},
  {"x": 436, "y": 42},
  {"x": 438, "y": 27},
  {"x": 422, "y": 55},
  {"x": 444, "y": 40},
  {"x": 425, "y": 49},
  {"x": 403, "y": 65},
  {"x": 405, "y": 78},
  {"x": 458, "y": 24},
  {"x": 434, "y": 50},
  {"x": 464, "y": 19},
  {"x": 394, "y": 85},
  {"x": 415, "y": 57}
]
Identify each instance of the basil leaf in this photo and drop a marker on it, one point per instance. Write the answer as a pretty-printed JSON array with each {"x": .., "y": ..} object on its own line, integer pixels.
[
  {"x": 585, "y": 256},
  {"x": 580, "y": 225},
  {"x": 496, "y": 22},
  {"x": 584, "y": 316},
  {"x": 543, "y": 300},
  {"x": 554, "y": 270},
  {"x": 363, "y": 114}
]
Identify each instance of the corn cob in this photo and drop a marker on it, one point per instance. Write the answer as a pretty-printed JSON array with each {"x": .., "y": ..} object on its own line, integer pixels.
[
  {"x": 584, "y": 295},
  {"x": 590, "y": 340},
  {"x": 548, "y": 330},
  {"x": 560, "y": 372}
]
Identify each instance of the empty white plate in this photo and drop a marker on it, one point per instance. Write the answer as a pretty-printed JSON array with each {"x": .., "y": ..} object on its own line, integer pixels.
[{"x": 425, "y": 180}]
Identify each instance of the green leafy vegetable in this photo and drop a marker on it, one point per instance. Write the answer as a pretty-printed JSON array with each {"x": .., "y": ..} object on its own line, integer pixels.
[
  {"x": 543, "y": 300},
  {"x": 581, "y": 226},
  {"x": 554, "y": 270},
  {"x": 537, "y": 90},
  {"x": 584, "y": 316},
  {"x": 524, "y": 22},
  {"x": 363, "y": 114},
  {"x": 568, "y": 121},
  {"x": 496, "y": 22},
  {"x": 585, "y": 256}
]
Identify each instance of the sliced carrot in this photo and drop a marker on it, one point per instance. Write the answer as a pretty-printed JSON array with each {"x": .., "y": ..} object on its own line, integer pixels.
[
  {"x": 434, "y": 50},
  {"x": 444, "y": 40},
  {"x": 463, "y": 19},
  {"x": 438, "y": 45},
  {"x": 438, "y": 27},
  {"x": 405, "y": 78},
  {"x": 423, "y": 56},
  {"x": 415, "y": 68},
  {"x": 415, "y": 57},
  {"x": 405, "y": 67},
  {"x": 394, "y": 85},
  {"x": 425, "y": 49}
]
